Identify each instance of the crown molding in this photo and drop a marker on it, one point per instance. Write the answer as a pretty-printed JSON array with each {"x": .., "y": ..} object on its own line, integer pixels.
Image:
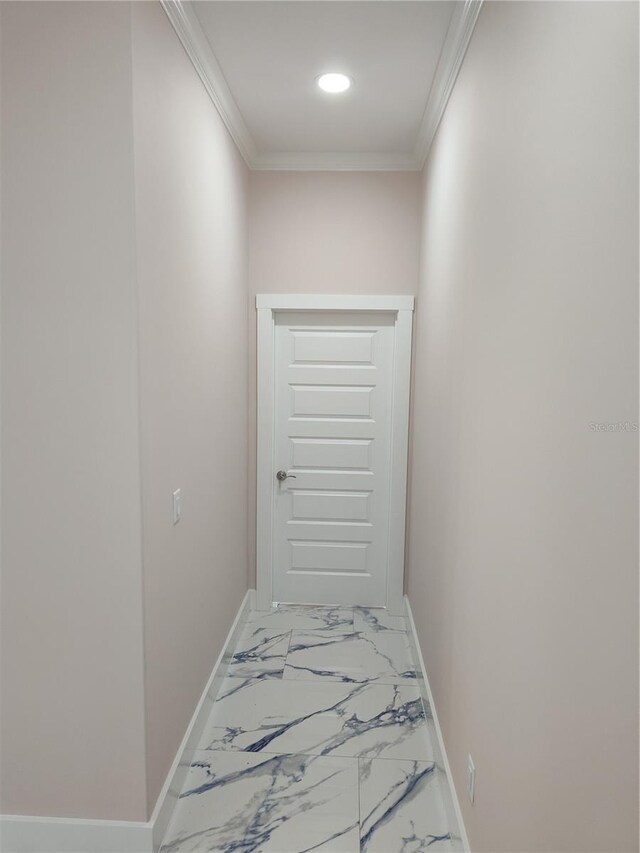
[
  {"x": 336, "y": 161},
  {"x": 461, "y": 27},
  {"x": 196, "y": 44}
]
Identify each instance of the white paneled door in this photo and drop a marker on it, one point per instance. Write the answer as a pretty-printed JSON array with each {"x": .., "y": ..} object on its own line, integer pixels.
[{"x": 333, "y": 377}]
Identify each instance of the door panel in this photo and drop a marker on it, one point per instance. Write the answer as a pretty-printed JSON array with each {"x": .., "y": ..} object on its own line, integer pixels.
[
  {"x": 330, "y": 401},
  {"x": 339, "y": 507},
  {"x": 341, "y": 347},
  {"x": 310, "y": 428},
  {"x": 329, "y": 556},
  {"x": 331, "y": 453},
  {"x": 305, "y": 374},
  {"x": 333, "y": 396}
]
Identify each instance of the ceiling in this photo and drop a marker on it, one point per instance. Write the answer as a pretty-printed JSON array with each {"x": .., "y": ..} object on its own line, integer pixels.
[{"x": 260, "y": 59}]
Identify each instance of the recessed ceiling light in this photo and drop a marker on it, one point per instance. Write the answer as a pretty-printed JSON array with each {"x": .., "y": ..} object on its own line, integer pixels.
[{"x": 334, "y": 82}]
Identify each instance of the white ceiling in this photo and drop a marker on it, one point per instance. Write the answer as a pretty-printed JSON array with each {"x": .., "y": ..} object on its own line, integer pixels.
[{"x": 260, "y": 59}]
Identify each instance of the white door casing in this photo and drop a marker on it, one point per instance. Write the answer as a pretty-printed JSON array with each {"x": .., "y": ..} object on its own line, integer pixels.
[{"x": 333, "y": 399}]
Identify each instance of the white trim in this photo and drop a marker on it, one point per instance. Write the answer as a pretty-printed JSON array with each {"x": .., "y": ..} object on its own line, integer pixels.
[
  {"x": 332, "y": 302},
  {"x": 399, "y": 461},
  {"x": 452, "y": 804},
  {"x": 28, "y": 834},
  {"x": 328, "y": 161},
  {"x": 264, "y": 472},
  {"x": 190, "y": 32},
  {"x": 267, "y": 305},
  {"x": 187, "y": 26},
  {"x": 461, "y": 27}
]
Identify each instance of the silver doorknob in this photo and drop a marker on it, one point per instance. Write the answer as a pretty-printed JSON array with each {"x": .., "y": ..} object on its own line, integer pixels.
[{"x": 282, "y": 475}]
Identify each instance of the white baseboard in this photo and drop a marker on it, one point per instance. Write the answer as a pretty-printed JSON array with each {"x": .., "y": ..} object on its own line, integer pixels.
[
  {"x": 452, "y": 804},
  {"x": 28, "y": 834}
]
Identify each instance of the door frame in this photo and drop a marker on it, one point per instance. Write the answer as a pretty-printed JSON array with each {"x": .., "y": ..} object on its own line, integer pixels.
[{"x": 268, "y": 305}]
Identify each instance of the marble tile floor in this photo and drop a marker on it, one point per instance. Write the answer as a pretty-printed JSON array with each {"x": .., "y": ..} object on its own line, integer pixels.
[{"x": 317, "y": 741}]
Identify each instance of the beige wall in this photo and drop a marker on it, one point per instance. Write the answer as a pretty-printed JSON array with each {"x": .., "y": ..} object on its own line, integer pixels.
[
  {"x": 333, "y": 232},
  {"x": 327, "y": 232},
  {"x": 523, "y": 572},
  {"x": 190, "y": 205},
  {"x": 72, "y": 669},
  {"x": 124, "y": 290}
]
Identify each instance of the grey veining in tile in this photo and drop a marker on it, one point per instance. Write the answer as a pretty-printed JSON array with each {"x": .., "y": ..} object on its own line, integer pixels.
[
  {"x": 353, "y": 658},
  {"x": 374, "y": 619},
  {"x": 401, "y": 807},
  {"x": 241, "y": 803},
  {"x": 286, "y": 617},
  {"x": 330, "y": 718},
  {"x": 259, "y": 652},
  {"x": 317, "y": 740}
]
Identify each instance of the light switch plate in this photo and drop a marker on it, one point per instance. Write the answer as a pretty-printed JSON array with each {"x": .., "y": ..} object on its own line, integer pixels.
[{"x": 177, "y": 505}]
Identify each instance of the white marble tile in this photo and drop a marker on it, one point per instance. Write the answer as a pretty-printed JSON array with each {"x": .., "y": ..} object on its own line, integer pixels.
[
  {"x": 401, "y": 807},
  {"x": 329, "y": 718},
  {"x": 235, "y": 802},
  {"x": 286, "y": 617},
  {"x": 384, "y": 657},
  {"x": 374, "y": 619},
  {"x": 317, "y": 741},
  {"x": 260, "y": 652}
]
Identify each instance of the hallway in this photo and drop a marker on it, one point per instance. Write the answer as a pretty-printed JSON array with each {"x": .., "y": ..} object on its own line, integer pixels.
[
  {"x": 317, "y": 740},
  {"x": 332, "y": 304}
]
